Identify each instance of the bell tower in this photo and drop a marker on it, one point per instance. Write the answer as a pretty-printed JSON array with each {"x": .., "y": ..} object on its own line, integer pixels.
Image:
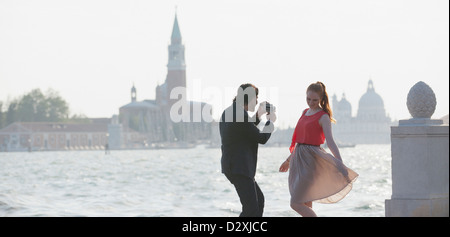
[
  {"x": 133, "y": 94},
  {"x": 176, "y": 49},
  {"x": 176, "y": 67}
]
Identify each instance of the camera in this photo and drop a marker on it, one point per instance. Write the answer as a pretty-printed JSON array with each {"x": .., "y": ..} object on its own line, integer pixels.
[{"x": 270, "y": 108}]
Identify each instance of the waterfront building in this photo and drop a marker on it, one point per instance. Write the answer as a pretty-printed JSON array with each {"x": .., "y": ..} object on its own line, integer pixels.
[
  {"x": 149, "y": 121},
  {"x": 36, "y": 136},
  {"x": 371, "y": 124}
]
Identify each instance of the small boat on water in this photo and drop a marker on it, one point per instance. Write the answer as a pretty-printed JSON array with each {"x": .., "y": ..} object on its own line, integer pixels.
[{"x": 341, "y": 145}]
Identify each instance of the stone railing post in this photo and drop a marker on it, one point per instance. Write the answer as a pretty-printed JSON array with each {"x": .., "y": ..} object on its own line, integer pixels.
[{"x": 420, "y": 160}]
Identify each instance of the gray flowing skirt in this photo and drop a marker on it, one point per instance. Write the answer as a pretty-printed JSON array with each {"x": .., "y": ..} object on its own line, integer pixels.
[{"x": 315, "y": 175}]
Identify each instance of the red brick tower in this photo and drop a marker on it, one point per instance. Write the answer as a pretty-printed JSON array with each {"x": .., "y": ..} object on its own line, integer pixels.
[{"x": 176, "y": 67}]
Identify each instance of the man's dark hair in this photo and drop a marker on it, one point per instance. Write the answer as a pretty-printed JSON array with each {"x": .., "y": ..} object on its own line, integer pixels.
[{"x": 245, "y": 93}]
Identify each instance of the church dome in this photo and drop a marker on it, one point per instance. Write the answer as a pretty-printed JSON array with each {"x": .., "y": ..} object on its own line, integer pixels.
[
  {"x": 371, "y": 98},
  {"x": 371, "y": 105},
  {"x": 344, "y": 105},
  {"x": 342, "y": 109}
]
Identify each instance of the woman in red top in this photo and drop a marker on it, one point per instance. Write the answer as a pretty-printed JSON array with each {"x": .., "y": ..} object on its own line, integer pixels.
[{"x": 314, "y": 174}]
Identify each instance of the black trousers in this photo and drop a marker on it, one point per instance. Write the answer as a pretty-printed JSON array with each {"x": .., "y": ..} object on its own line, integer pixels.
[{"x": 250, "y": 195}]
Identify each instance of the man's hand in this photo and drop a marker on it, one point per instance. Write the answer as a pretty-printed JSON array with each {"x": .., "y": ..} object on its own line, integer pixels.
[
  {"x": 272, "y": 117},
  {"x": 262, "y": 109}
]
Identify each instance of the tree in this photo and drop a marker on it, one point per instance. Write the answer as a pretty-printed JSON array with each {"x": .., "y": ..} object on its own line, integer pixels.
[
  {"x": 11, "y": 114},
  {"x": 30, "y": 107},
  {"x": 57, "y": 108},
  {"x": 37, "y": 107}
]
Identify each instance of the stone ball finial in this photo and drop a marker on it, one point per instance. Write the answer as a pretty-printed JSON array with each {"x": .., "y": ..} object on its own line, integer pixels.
[{"x": 421, "y": 101}]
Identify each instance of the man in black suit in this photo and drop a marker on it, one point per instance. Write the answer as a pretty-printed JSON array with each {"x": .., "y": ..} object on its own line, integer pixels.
[{"x": 240, "y": 138}]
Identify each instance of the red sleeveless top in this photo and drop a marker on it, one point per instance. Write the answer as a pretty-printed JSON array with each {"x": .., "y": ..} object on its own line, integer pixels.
[{"x": 308, "y": 130}]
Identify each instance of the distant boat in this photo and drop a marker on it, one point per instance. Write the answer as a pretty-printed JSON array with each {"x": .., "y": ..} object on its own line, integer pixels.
[
  {"x": 172, "y": 145},
  {"x": 346, "y": 145},
  {"x": 341, "y": 145}
]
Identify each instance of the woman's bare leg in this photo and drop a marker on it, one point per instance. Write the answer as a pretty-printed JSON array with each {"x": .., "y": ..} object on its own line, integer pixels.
[{"x": 304, "y": 209}]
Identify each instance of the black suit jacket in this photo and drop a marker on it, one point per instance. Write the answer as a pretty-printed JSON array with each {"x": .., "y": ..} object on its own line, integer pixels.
[{"x": 240, "y": 138}]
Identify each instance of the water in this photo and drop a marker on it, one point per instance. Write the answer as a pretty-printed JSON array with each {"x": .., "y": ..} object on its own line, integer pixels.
[{"x": 182, "y": 182}]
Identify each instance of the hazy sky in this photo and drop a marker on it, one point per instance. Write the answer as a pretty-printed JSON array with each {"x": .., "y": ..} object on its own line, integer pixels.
[{"x": 92, "y": 51}]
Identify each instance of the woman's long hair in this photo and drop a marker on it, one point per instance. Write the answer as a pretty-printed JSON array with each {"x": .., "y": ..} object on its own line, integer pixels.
[{"x": 320, "y": 89}]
